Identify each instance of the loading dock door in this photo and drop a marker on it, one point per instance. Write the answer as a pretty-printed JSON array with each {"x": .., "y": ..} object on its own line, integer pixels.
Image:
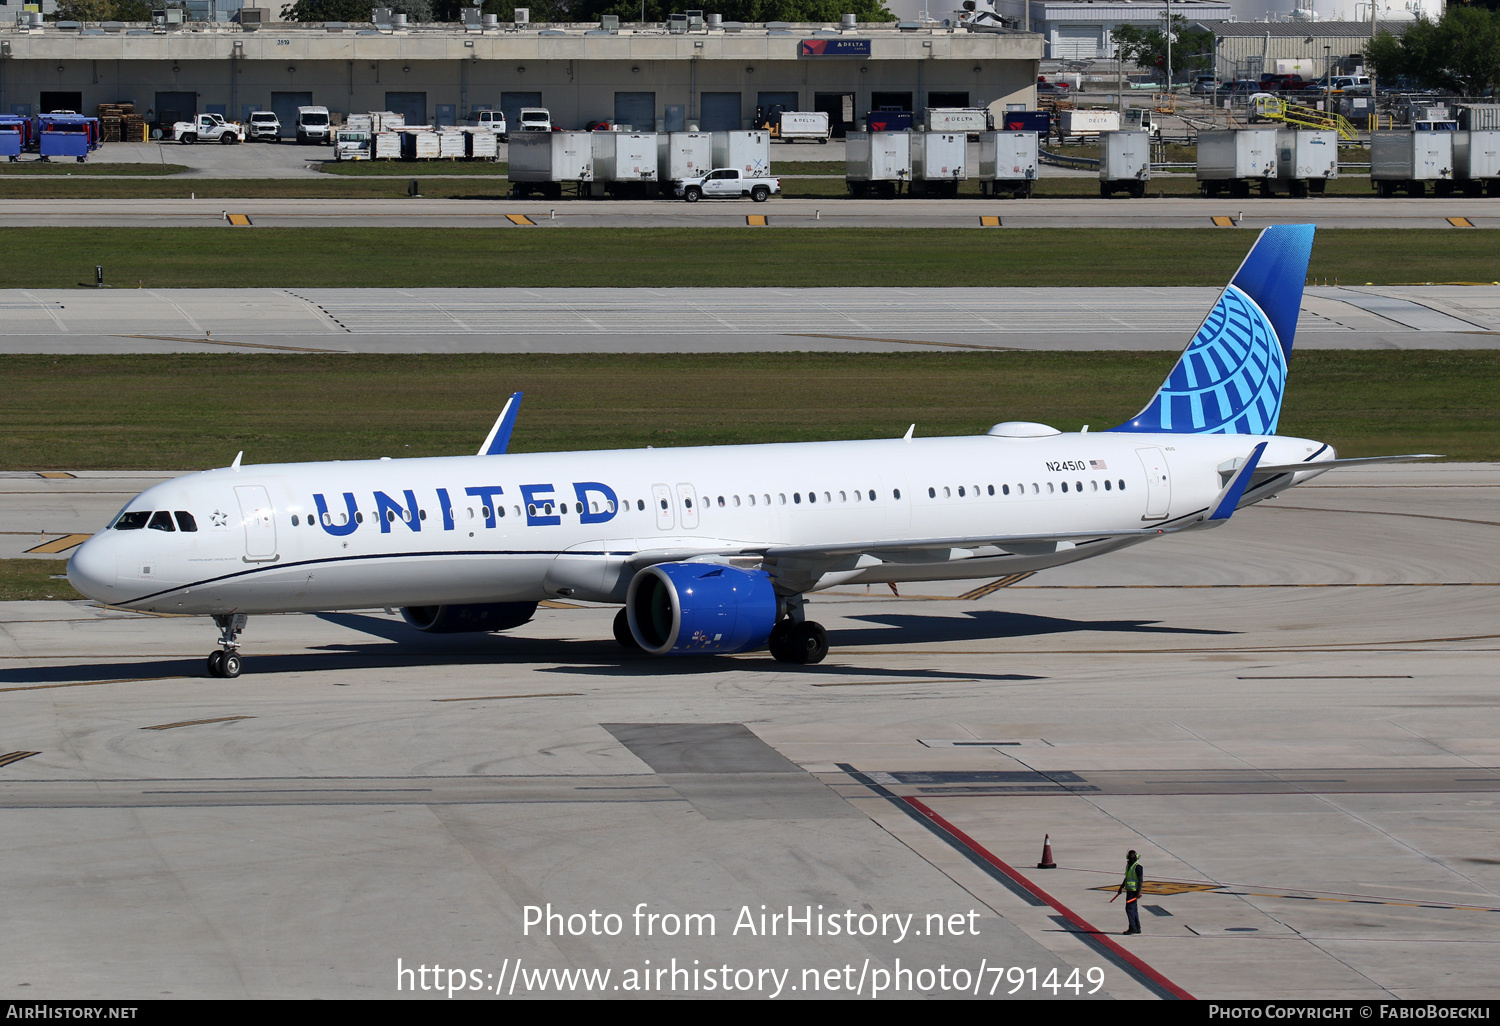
[
  {"x": 721, "y": 112},
  {"x": 891, "y": 101},
  {"x": 412, "y": 105},
  {"x": 62, "y": 101},
  {"x": 174, "y": 107},
  {"x": 285, "y": 105},
  {"x": 638, "y": 110},
  {"x": 840, "y": 110},
  {"x": 511, "y": 104}
]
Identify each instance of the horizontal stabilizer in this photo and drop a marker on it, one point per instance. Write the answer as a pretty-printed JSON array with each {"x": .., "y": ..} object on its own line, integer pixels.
[
  {"x": 499, "y": 437},
  {"x": 1361, "y": 461}
]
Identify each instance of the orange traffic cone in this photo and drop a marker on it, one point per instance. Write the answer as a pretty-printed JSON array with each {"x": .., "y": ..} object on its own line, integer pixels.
[{"x": 1046, "y": 862}]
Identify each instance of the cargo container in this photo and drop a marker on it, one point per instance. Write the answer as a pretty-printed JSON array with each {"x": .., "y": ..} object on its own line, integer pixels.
[
  {"x": 387, "y": 121},
  {"x": 386, "y": 146},
  {"x": 624, "y": 162},
  {"x": 1124, "y": 163},
  {"x": 748, "y": 151},
  {"x": 971, "y": 120},
  {"x": 542, "y": 162},
  {"x": 682, "y": 155},
  {"x": 360, "y": 123},
  {"x": 1007, "y": 163},
  {"x": 1038, "y": 121},
  {"x": 877, "y": 163},
  {"x": 1476, "y": 161},
  {"x": 938, "y": 162},
  {"x": 1229, "y": 161},
  {"x": 1306, "y": 159},
  {"x": 418, "y": 144},
  {"x": 451, "y": 145},
  {"x": 1090, "y": 122},
  {"x": 889, "y": 121},
  {"x": 481, "y": 144},
  {"x": 1477, "y": 117},
  {"x": 1409, "y": 160},
  {"x": 66, "y": 135},
  {"x": 10, "y": 140},
  {"x": 812, "y": 125}
]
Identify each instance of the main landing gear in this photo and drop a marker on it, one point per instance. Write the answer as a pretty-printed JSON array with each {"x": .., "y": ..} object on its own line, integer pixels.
[
  {"x": 226, "y": 661},
  {"x": 798, "y": 639}
]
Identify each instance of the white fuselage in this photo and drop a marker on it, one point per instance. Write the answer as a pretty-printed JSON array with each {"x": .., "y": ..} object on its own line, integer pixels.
[{"x": 526, "y": 527}]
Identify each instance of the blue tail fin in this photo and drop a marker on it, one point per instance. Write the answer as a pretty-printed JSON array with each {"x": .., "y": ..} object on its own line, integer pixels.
[{"x": 1231, "y": 377}]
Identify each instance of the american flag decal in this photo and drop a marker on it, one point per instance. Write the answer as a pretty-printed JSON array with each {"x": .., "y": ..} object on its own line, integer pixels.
[{"x": 1097, "y": 465}]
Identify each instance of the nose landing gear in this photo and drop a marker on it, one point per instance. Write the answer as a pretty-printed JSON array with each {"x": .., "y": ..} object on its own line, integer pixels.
[{"x": 226, "y": 661}]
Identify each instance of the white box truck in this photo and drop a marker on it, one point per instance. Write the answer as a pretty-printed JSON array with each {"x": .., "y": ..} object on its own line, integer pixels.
[
  {"x": 1409, "y": 160},
  {"x": 682, "y": 155},
  {"x": 1306, "y": 159},
  {"x": 1229, "y": 161},
  {"x": 1008, "y": 163},
  {"x": 748, "y": 151},
  {"x": 938, "y": 162},
  {"x": 970, "y": 120},
  {"x": 625, "y": 162},
  {"x": 1090, "y": 122},
  {"x": 877, "y": 163},
  {"x": 1124, "y": 163},
  {"x": 542, "y": 162},
  {"x": 1476, "y": 161}
]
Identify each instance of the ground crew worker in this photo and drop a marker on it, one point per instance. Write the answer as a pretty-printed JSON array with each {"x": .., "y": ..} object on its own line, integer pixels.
[{"x": 1131, "y": 885}]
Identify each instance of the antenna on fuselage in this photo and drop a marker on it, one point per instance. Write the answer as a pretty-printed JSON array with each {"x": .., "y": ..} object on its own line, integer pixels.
[
  {"x": 237, "y": 457},
  {"x": 909, "y": 431}
]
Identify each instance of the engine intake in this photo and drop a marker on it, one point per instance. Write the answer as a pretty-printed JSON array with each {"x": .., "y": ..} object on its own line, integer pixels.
[
  {"x": 681, "y": 608},
  {"x": 470, "y": 619}
]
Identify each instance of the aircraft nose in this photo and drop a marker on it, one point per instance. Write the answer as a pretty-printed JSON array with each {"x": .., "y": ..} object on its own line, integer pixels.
[{"x": 91, "y": 570}]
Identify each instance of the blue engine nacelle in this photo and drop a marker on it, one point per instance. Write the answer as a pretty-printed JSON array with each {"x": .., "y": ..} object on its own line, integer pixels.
[
  {"x": 682, "y": 608},
  {"x": 472, "y": 619}
]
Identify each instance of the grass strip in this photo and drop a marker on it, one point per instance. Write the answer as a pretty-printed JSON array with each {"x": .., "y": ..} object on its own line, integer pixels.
[
  {"x": 195, "y": 411},
  {"x": 658, "y": 257},
  {"x": 64, "y": 168},
  {"x": 22, "y": 580}
]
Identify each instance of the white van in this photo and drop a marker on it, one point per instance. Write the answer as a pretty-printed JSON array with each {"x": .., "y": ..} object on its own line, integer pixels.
[
  {"x": 494, "y": 120},
  {"x": 314, "y": 125}
]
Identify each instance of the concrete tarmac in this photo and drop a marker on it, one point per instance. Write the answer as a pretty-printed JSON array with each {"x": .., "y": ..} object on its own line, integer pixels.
[
  {"x": 712, "y": 319},
  {"x": 1292, "y": 719},
  {"x": 836, "y": 211}
]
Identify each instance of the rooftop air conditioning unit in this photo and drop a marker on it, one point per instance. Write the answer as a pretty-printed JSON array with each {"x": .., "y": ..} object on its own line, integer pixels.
[
  {"x": 253, "y": 15},
  {"x": 609, "y": 22},
  {"x": 523, "y": 15},
  {"x": 380, "y": 15},
  {"x": 695, "y": 20}
]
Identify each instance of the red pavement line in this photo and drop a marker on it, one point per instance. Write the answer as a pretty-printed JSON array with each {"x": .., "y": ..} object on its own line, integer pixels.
[{"x": 1097, "y": 936}]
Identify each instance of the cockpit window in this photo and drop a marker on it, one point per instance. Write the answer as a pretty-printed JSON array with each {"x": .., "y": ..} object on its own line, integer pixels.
[
  {"x": 161, "y": 521},
  {"x": 185, "y": 521},
  {"x": 133, "y": 521}
]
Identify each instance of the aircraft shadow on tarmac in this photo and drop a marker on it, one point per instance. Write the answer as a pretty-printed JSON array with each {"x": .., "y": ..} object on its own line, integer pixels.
[{"x": 401, "y": 646}]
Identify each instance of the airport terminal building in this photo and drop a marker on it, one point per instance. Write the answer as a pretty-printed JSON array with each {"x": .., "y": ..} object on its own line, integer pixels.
[{"x": 712, "y": 76}]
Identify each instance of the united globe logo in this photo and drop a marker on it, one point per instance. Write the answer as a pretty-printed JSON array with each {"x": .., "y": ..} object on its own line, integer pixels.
[{"x": 1229, "y": 381}]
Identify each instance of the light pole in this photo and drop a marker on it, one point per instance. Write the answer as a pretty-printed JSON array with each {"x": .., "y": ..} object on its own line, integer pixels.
[{"x": 1167, "y": 13}]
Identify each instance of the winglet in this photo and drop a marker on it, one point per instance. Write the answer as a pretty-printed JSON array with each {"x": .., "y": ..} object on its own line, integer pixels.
[
  {"x": 498, "y": 439},
  {"x": 1229, "y": 496}
]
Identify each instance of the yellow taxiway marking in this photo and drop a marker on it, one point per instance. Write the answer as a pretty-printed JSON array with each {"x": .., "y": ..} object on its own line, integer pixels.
[
  {"x": 994, "y": 586},
  {"x": 194, "y": 723},
  {"x": 520, "y": 219},
  {"x": 756, "y": 220},
  {"x": 239, "y": 220},
  {"x": 1224, "y": 222},
  {"x": 56, "y": 473},
  {"x": 493, "y": 698},
  {"x": 10, "y": 757},
  {"x": 989, "y": 221},
  {"x": 1460, "y": 222},
  {"x": 62, "y": 544}
]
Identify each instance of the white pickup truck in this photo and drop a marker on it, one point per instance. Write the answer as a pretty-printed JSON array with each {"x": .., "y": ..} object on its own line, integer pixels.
[
  {"x": 208, "y": 128},
  {"x": 727, "y": 183}
]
